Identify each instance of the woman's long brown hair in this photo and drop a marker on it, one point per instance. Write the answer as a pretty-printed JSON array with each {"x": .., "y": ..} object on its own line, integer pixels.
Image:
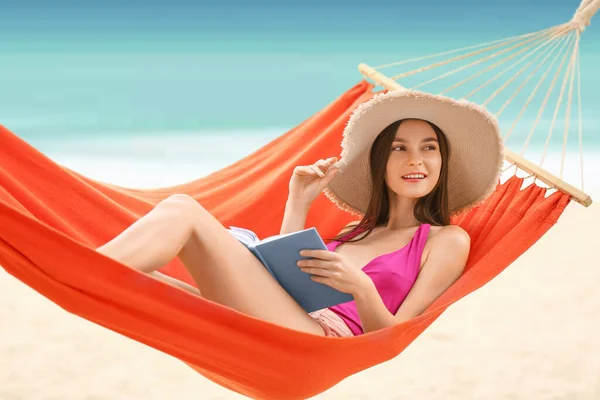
[{"x": 431, "y": 209}]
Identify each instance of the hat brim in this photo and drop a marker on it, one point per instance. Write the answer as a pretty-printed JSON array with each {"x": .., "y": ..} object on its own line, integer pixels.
[{"x": 473, "y": 136}]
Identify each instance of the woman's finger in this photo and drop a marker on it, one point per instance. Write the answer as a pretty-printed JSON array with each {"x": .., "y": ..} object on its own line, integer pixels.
[
  {"x": 317, "y": 170},
  {"x": 305, "y": 170},
  {"x": 317, "y": 271},
  {"x": 301, "y": 170},
  {"x": 322, "y": 165},
  {"x": 321, "y": 254},
  {"x": 314, "y": 263},
  {"x": 328, "y": 164},
  {"x": 332, "y": 162}
]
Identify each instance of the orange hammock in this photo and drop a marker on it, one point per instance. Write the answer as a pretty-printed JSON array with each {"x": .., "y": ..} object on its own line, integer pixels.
[{"x": 51, "y": 218}]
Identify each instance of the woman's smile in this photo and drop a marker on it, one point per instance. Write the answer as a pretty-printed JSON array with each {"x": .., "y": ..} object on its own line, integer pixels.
[{"x": 414, "y": 177}]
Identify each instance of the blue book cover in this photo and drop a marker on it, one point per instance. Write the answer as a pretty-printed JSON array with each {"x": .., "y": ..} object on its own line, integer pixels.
[{"x": 280, "y": 253}]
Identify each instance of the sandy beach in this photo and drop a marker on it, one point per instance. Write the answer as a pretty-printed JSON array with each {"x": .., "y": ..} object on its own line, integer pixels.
[{"x": 529, "y": 334}]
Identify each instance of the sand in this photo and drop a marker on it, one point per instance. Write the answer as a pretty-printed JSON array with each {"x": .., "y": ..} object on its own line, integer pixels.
[{"x": 532, "y": 333}]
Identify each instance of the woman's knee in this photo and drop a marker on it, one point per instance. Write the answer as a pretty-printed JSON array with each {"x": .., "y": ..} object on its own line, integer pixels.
[
  {"x": 181, "y": 204},
  {"x": 181, "y": 200}
]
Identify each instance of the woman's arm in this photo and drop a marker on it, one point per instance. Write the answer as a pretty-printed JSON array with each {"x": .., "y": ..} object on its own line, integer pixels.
[
  {"x": 444, "y": 265},
  {"x": 294, "y": 217},
  {"x": 306, "y": 183}
]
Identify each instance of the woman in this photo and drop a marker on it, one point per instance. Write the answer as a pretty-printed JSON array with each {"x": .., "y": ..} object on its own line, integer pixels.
[{"x": 409, "y": 160}]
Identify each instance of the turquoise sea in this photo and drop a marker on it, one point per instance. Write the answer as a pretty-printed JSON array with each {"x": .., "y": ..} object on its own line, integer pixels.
[{"x": 190, "y": 87}]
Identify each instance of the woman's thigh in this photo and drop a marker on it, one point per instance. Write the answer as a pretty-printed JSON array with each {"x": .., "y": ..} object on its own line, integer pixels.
[{"x": 226, "y": 272}]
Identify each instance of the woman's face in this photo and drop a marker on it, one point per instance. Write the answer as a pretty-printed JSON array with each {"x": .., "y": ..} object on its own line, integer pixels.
[{"x": 415, "y": 161}]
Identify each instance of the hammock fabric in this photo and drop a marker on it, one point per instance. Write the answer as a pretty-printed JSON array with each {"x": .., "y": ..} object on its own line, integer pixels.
[{"x": 52, "y": 218}]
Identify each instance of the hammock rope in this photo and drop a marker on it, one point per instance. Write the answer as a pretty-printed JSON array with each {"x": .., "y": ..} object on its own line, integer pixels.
[
  {"x": 580, "y": 121},
  {"x": 504, "y": 40},
  {"x": 545, "y": 102},
  {"x": 542, "y": 40},
  {"x": 542, "y": 35},
  {"x": 572, "y": 66},
  {"x": 533, "y": 92},
  {"x": 584, "y": 13},
  {"x": 519, "y": 72},
  {"x": 559, "y": 101},
  {"x": 511, "y": 66}
]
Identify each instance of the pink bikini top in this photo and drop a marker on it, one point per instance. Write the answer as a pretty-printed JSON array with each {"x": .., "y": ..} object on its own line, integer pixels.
[{"x": 393, "y": 274}]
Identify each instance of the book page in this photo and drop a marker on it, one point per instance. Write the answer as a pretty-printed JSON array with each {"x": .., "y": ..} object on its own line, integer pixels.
[{"x": 245, "y": 236}]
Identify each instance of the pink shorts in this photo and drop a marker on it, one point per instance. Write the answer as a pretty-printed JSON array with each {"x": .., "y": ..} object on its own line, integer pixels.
[{"x": 331, "y": 323}]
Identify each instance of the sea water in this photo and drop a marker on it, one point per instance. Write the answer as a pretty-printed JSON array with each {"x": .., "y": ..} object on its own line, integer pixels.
[{"x": 151, "y": 94}]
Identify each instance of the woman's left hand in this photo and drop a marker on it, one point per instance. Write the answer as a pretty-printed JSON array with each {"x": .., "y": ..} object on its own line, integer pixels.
[{"x": 333, "y": 269}]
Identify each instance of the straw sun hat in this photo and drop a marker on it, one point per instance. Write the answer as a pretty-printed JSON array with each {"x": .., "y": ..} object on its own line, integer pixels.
[{"x": 473, "y": 136}]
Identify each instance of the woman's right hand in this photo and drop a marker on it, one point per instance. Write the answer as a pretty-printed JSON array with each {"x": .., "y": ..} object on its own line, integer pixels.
[{"x": 308, "y": 181}]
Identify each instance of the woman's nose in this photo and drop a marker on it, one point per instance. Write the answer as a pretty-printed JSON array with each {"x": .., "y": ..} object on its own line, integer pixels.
[{"x": 415, "y": 161}]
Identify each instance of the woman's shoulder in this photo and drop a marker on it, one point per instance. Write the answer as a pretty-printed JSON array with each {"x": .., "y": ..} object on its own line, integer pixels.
[
  {"x": 446, "y": 238},
  {"x": 448, "y": 234}
]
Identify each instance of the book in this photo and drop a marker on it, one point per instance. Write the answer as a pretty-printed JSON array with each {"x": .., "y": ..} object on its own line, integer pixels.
[{"x": 279, "y": 255}]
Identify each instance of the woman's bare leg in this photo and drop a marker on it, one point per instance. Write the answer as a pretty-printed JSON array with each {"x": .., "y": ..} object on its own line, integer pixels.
[
  {"x": 175, "y": 282},
  {"x": 222, "y": 268}
]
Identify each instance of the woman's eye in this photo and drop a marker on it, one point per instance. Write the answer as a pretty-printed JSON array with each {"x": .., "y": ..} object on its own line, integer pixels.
[
  {"x": 399, "y": 148},
  {"x": 432, "y": 147}
]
